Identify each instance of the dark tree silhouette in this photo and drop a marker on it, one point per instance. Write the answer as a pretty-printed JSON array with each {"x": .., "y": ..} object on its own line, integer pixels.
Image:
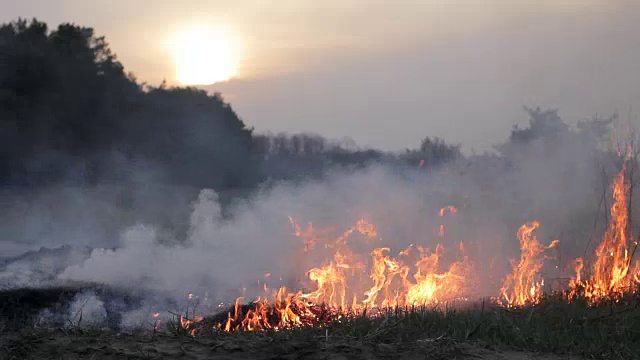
[
  {"x": 547, "y": 135},
  {"x": 67, "y": 106},
  {"x": 70, "y": 112},
  {"x": 432, "y": 152}
]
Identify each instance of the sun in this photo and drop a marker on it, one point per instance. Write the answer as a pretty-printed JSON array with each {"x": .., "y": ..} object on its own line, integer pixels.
[{"x": 204, "y": 56}]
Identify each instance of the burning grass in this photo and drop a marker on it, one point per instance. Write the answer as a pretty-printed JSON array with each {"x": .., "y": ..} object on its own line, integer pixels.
[
  {"x": 353, "y": 284},
  {"x": 359, "y": 293},
  {"x": 607, "y": 331},
  {"x": 595, "y": 315}
]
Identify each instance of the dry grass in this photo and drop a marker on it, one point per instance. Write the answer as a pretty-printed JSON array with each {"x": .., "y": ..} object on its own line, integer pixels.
[{"x": 572, "y": 330}]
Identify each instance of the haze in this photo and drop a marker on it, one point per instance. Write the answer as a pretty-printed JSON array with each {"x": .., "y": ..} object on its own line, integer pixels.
[{"x": 387, "y": 75}]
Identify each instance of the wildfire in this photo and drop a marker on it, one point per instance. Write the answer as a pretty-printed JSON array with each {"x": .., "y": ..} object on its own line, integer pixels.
[
  {"x": 524, "y": 285},
  {"x": 451, "y": 209},
  {"x": 612, "y": 274},
  {"x": 350, "y": 283},
  {"x": 339, "y": 283},
  {"x": 577, "y": 280},
  {"x": 351, "y": 275}
]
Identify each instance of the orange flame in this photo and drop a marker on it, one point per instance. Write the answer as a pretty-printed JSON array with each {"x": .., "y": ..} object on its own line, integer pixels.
[
  {"x": 351, "y": 283},
  {"x": 612, "y": 262},
  {"x": 343, "y": 281},
  {"x": 451, "y": 209},
  {"x": 524, "y": 285},
  {"x": 612, "y": 274}
]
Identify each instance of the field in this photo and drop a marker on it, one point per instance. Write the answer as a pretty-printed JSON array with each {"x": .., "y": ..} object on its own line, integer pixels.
[
  {"x": 551, "y": 329},
  {"x": 595, "y": 316}
]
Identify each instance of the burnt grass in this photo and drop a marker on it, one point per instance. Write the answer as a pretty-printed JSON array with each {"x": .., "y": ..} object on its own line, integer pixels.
[
  {"x": 610, "y": 330},
  {"x": 20, "y": 308}
]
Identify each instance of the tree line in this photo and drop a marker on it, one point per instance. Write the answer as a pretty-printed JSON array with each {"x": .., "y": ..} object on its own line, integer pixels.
[{"x": 69, "y": 112}]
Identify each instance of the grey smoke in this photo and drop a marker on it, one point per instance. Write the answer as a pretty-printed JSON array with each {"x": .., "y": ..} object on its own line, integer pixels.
[{"x": 217, "y": 258}]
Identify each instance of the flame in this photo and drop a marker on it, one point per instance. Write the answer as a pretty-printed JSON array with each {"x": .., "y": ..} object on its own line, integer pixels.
[
  {"x": 430, "y": 286},
  {"x": 331, "y": 282},
  {"x": 524, "y": 285},
  {"x": 284, "y": 310},
  {"x": 383, "y": 272},
  {"x": 188, "y": 324},
  {"x": 351, "y": 282},
  {"x": 611, "y": 275},
  {"x": 308, "y": 235},
  {"x": 612, "y": 262},
  {"x": 350, "y": 275},
  {"x": 578, "y": 267},
  {"x": 451, "y": 209}
]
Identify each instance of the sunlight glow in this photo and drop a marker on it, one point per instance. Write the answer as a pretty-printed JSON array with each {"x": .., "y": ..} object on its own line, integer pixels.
[{"x": 204, "y": 56}]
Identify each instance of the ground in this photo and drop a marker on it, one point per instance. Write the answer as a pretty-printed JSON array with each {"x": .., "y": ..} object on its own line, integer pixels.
[
  {"x": 95, "y": 346},
  {"x": 569, "y": 330}
]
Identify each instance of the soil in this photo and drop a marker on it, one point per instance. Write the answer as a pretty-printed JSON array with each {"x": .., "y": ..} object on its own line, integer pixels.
[{"x": 58, "y": 345}]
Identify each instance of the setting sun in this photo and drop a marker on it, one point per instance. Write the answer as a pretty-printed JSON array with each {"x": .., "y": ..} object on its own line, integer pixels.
[{"x": 204, "y": 56}]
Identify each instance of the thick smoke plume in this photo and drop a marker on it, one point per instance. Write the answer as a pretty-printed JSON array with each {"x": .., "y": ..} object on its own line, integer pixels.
[
  {"x": 171, "y": 245},
  {"x": 132, "y": 209},
  {"x": 221, "y": 258}
]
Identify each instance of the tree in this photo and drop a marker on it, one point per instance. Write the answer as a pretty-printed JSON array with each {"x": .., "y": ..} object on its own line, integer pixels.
[
  {"x": 67, "y": 105},
  {"x": 433, "y": 152},
  {"x": 547, "y": 135}
]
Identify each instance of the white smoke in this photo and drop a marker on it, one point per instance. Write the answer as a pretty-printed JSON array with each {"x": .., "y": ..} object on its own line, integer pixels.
[
  {"x": 229, "y": 257},
  {"x": 86, "y": 310},
  {"x": 219, "y": 257}
]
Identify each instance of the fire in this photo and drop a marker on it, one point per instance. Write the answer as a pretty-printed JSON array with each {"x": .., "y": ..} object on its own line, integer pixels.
[
  {"x": 331, "y": 282},
  {"x": 613, "y": 255},
  {"x": 351, "y": 283},
  {"x": 578, "y": 267},
  {"x": 284, "y": 310},
  {"x": 451, "y": 209},
  {"x": 188, "y": 324},
  {"x": 612, "y": 274},
  {"x": 308, "y": 235},
  {"x": 341, "y": 280},
  {"x": 348, "y": 274},
  {"x": 432, "y": 286},
  {"x": 613, "y": 260},
  {"x": 524, "y": 285}
]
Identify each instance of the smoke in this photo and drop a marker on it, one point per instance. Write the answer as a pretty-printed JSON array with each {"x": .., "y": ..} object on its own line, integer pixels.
[
  {"x": 216, "y": 258},
  {"x": 86, "y": 309},
  {"x": 226, "y": 257}
]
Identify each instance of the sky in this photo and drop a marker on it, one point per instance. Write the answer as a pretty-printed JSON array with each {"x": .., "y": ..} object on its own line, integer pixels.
[{"x": 384, "y": 73}]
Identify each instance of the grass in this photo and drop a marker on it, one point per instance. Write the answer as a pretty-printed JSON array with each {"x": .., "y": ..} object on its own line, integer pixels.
[{"x": 610, "y": 330}]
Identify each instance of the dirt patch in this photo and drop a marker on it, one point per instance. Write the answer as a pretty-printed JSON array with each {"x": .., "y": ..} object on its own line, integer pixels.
[{"x": 58, "y": 345}]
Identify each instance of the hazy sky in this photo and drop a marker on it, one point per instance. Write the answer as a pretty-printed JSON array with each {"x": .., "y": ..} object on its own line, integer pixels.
[{"x": 388, "y": 73}]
